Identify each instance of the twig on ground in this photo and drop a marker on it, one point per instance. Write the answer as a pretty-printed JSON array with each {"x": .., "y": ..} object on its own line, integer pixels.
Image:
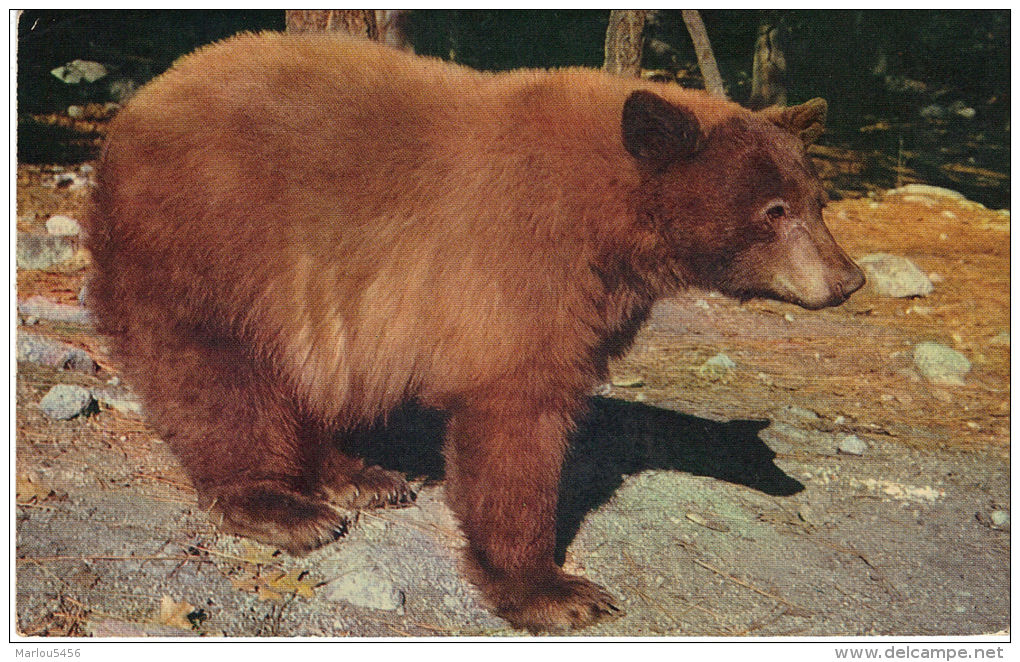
[{"x": 759, "y": 591}]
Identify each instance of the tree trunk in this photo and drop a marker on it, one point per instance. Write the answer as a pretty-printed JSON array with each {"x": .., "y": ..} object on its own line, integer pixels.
[
  {"x": 703, "y": 49},
  {"x": 392, "y": 26},
  {"x": 361, "y": 22},
  {"x": 768, "y": 81},
  {"x": 625, "y": 41}
]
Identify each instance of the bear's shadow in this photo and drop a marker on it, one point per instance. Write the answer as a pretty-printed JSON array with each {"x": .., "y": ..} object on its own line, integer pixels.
[{"x": 615, "y": 439}]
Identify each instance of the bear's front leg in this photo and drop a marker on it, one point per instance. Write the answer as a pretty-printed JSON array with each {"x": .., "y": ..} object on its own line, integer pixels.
[{"x": 503, "y": 471}]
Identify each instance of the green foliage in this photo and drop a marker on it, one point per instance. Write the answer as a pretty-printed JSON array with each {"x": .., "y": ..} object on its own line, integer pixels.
[{"x": 511, "y": 39}]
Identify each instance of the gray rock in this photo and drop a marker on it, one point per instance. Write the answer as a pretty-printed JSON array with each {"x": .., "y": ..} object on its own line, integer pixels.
[
  {"x": 368, "y": 587},
  {"x": 62, "y": 226},
  {"x": 38, "y": 252},
  {"x": 927, "y": 190},
  {"x": 719, "y": 367},
  {"x": 69, "y": 180},
  {"x": 895, "y": 276},
  {"x": 851, "y": 444},
  {"x": 65, "y": 401},
  {"x": 801, "y": 413},
  {"x": 76, "y": 71},
  {"x": 1000, "y": 518},
  {"x": 41, "y": 350},
  {"x": 941, "y": 364},
  {"x": 43, "y": 308},
  {"x": 120, "y": 399}
]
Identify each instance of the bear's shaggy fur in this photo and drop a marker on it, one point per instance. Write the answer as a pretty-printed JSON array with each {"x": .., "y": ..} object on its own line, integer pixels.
[{"x": 294, "y": 234}]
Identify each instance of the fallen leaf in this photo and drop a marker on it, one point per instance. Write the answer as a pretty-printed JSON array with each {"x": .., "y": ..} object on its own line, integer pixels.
[
  {"x": 292, "y": 582},
  {"x": 268, "y": 595},
  {"x": 30, "y": 488},
  {"x": 175, "y": 613},
  {"x": 257, "y": 555}
]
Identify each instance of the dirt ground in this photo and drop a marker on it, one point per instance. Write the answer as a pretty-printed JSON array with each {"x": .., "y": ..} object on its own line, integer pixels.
[{"x": 709, "y": 504}]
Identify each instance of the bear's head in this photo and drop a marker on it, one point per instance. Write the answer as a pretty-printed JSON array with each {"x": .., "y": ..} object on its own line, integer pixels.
[{"x": 739, "y": 205}]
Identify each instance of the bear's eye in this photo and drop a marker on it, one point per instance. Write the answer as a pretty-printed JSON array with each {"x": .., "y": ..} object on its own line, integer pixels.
[{"x": 776, "y": 212}]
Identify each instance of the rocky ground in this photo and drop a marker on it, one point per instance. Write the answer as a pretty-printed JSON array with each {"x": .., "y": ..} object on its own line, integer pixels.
[{"x": 751, "y": 470}]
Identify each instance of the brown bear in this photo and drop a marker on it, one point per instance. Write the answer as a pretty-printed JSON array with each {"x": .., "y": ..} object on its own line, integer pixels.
[{"x": 293, "y": 234}]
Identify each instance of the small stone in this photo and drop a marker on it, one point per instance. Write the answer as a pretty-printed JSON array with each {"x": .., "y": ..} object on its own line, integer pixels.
[
  {"x": 941, "y": 364},
  {"x": 41, "y": 350},
  {"x": 113, "y": 381},
  {"x": 801, "y": 413},
  {"x": 39, "y": 252},
  {"x": 641, "y": 397},
  {"x": 628, "y": 381},
  {"x": 895, "y": 276},
  {"x": 1002, "y": 338},
  {"x": 839, "y": 420},
  {"x": 31, "y": 320},
  {"x": 701, "y": 303},
  {"x": 77, "y": 112},
  {"x": 936, "y": 277},
  {"x": 851, "y": 444},
  {"x": 366, "y": 587},
  {"x": 65, "y": 401},
  {"x": 43, "y": 308},
  {"x": 719, "y": 367},
  {"x": 788, "y": 317},
  {"x": 62, "y": 226},
  {"x": 1000, "y": 518},
  {"x": 119, "y": 399}
]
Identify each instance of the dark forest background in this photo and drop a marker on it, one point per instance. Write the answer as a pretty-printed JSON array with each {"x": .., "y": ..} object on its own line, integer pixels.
[{"x": 913, "y": 74}]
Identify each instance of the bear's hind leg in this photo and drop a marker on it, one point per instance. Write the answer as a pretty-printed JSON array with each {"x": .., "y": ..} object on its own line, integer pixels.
[
  {"x": 233, "y": 427},
  {"x": 348, "y": 482}
]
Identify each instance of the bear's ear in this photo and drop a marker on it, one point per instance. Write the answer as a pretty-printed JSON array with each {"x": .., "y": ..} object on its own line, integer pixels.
[
  {"x": 806, "y": 121},
  {"x": 656, "y": 132}
]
